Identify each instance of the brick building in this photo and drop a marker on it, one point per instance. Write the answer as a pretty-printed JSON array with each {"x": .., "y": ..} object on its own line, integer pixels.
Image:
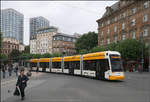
[
  {"x": 8, "y": 44},
  {"x": 126, "y": 19},
  {"x": 63, "y": 43}
]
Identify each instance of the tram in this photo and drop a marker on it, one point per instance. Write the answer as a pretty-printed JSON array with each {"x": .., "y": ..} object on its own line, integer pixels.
[{"x": 101, "y": 65}]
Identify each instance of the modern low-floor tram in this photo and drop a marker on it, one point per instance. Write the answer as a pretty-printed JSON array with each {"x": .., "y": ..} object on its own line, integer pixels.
[{"x": 100, "y": 65}]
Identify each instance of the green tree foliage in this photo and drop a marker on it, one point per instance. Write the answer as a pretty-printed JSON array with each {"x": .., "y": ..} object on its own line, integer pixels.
[
  {"x": 83, "y": 51},
  {"x": 56, "y": 55},
  {"x": 86, "y": 41},
  {"x": 129, "y": 49},
  {"x": 36, "y": 55},
  {"x": 27, "y": 49},
  {"x": 46, "y": 55},
  {"x": 15, "y": 54},
  {"x": 3, "y": 57}
]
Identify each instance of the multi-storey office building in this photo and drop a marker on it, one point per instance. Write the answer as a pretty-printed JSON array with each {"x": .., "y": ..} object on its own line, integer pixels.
[
  {"x": 63, "y": 43},
  {"x": 37, "y": 23},
  {"x": 12, "y": 24},
  {"x": 126, "y": 19}
]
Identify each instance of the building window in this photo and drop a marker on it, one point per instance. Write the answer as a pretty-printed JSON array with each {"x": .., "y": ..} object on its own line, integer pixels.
[
  {"x": 102, "y": 33},
  {"x": 123, "y": 15},
  {"x": 108, "y": 31},
  {"x": 145, "y": 4},
  {"x": 145, "y": 32},
  {"x": 102, "y": 42},
  {"x": 115, "y": 19},
  {"x": 115, "y": 39},
  {"x": 108, "y": 41},
  {"x": 123, "y": 25},
  {"x": 133, "y": 10},
  {"x": 123, "y": 36},
  {"x": 108, "y": 22},
  {"x": 102, "y": 25},
  {"x": 145, "y": 18},
  {"x": 133, "y": 22},
  {"x": 115, "y": 28},
  {"x": 133, "y": 34}
]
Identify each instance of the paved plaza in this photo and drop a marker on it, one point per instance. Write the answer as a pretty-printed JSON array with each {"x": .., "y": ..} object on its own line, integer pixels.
[{"x": 49, "y": 87}]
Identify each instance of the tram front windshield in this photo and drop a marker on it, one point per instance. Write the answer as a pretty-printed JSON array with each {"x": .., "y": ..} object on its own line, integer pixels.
[{"x": 116, "y": 64}]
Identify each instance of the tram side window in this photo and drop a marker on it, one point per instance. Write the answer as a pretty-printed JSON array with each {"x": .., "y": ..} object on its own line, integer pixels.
[
  {"x": 66, "y": 65},
  {"x": 44, "y": 65},
  {"x": 56, "y": 64},
  {"x": 89, "y": 65},
  {"x": 104, "y": 65},
  {"x": 76, "y": 65},
  {"x": 33, "y": 64}
]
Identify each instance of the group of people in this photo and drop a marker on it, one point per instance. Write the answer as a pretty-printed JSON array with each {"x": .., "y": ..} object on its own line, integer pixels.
[
  {"x": 133, "y": 68},
  {"x": 21, "y": 80},
  {"x": 9, "y": 68}
]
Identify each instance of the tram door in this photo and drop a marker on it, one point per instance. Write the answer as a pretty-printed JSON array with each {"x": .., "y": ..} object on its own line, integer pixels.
[
  {"x": 102, "y": 66},
  {"x": 71, "y": 68}
]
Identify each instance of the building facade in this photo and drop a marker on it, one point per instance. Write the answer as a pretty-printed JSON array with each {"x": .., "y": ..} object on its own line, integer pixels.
[
  {"x": 48, "y": 40},
  {"x": 63, "y": 43},
  {"x": 12, "y": 24},
  {"x": 42, "y": 43},
  {"x": 37, "y": 23},
  {"x": 8, "y": 44},
  {"x": 126, "y": 19}
]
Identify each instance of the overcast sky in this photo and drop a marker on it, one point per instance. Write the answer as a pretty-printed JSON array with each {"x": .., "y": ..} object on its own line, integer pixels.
[{"x": 68, "y": 16}]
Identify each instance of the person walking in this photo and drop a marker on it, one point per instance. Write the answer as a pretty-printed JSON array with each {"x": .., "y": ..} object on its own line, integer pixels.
[
  {"x": 16, "y": 70},
  {"x": 22, "y": 83},
  {"x": 10, "y": 69},
  {"x": 3, "y": 70}
]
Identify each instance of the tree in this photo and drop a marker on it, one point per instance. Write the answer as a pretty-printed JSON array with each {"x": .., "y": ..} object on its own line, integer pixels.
[
  {"x": 27, "y": 49},
  {"x": 36, "y": 55},
  {"x": 3, "y": 57},
  {"x": 86, "y": 41},
  {"x": 83, "y": 51},
  {"x": 15, "y": 54},
  {"x": 46, "y": 55},
  {"x": 56, "y": 55},
  {"x": 0, "y": 40}
]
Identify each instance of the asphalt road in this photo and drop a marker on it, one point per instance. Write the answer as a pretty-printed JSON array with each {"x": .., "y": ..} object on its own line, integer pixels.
[{"x": 64, "y": 88}]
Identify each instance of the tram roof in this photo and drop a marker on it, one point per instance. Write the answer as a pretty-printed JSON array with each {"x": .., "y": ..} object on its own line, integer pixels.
[
  {"x": 57, "y": 59},
  {"x": 44, "y": 59},
  {"x": 72, "y": 58},
  {"x": 34, "y": 60}
]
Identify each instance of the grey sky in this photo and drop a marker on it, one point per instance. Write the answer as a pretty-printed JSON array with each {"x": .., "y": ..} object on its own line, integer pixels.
[{"x": 68, "y": 16}]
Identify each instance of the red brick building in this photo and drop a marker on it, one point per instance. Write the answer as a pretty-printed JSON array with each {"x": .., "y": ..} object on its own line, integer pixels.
[{"x": 126, "y": 19}]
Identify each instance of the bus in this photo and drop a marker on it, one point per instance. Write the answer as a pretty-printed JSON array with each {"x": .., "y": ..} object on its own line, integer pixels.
[{"x": 106, "y": 65}]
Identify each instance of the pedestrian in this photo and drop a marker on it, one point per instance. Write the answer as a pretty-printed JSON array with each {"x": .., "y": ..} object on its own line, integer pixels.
[
  {"x": 3, "y": 70},
  {"x": 22, "y": 83},
  {"x": 140, "y": 68},
  {"x": 16, "y": 70},
  {"x": 10, "y": 69}
]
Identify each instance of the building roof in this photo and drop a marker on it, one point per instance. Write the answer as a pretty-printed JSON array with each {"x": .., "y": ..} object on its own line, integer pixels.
[
  {"x": 113, "y": 8},
  {"x": 66, "y": 35}
]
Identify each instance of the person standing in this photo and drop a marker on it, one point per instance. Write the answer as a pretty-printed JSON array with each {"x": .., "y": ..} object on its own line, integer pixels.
[
  {"x": 3, "y": 70},
  {"x": 22, "y": 83}
]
